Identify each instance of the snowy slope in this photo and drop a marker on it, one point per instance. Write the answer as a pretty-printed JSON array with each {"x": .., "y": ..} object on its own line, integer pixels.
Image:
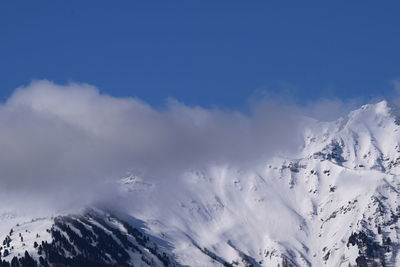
[{"x": 335, "y": 202}]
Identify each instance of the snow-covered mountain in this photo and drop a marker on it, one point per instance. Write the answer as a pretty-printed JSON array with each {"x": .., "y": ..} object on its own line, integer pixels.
[{"x": 335, "y": 202}]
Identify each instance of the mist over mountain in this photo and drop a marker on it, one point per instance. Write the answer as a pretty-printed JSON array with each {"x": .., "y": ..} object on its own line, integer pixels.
[
  {"x": 94, "y": 180},
  {"x": 70, "y": 140}
]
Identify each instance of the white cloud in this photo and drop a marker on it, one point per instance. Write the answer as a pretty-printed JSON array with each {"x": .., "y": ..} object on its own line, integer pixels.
[{"x": 65, "y": 141}]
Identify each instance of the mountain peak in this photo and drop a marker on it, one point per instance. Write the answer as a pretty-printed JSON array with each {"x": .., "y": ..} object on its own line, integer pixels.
[
  {"x": 383, "y": 107},
  {"x": 366, "y": 137},
  {"x": 369, "y": 117}
]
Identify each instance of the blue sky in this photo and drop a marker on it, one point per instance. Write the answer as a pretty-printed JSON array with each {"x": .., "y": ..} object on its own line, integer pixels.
[{"x": 208, "y": 53}]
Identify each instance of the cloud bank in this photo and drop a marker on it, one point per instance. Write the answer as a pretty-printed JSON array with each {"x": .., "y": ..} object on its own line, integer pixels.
[
  {"x": 63, "y": 144},
  {"x": 64, "y": 141}
]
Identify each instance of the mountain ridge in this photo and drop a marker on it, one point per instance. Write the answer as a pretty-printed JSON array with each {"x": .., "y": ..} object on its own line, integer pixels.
[{"x": 335, "y": 202}]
